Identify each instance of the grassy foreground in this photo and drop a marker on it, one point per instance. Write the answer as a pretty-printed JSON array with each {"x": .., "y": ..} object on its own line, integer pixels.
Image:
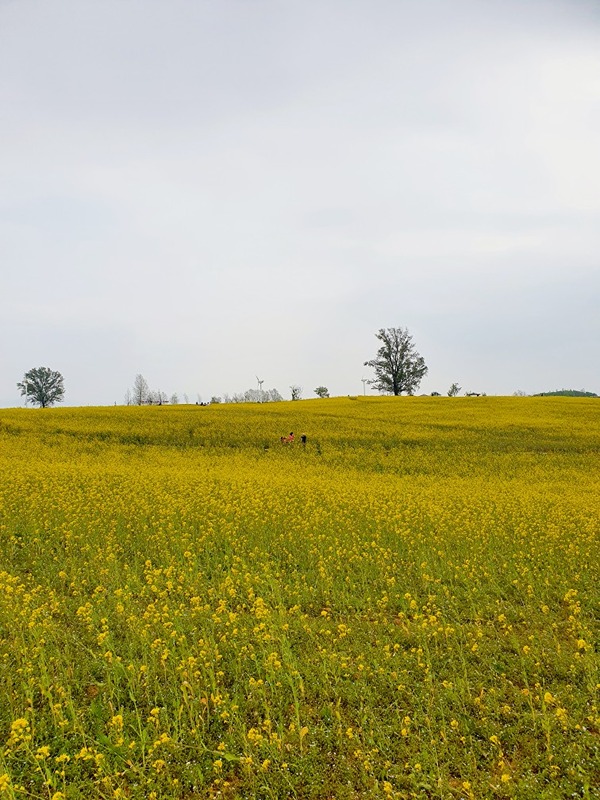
[{"x": 407, "y": 607}]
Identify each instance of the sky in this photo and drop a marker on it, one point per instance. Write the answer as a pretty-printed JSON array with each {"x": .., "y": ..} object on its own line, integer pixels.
[{"x": 210, "y": 191}]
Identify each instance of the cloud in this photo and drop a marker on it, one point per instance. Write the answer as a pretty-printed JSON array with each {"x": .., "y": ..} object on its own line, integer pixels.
[{"x": 204, "y": 190}]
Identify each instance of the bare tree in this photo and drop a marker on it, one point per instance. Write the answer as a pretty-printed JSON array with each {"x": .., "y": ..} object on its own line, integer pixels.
[
  {"x": 140, "y": 392},
  {"x": 296, "y": 392},
  {"x": 257, "y": 396},
  {"x": 250, "y": 396},
  {"x": 157, "y": 398},
  {"x": 454, "y": 390}
]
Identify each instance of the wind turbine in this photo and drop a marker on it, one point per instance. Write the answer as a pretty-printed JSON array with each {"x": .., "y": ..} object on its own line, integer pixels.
[
  {"x": 364, "y": 383},
  {"x": 260, "y": 383}
]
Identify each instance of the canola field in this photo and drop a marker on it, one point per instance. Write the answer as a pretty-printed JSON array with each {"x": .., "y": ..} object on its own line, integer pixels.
[{"x": 406, "y": 607}]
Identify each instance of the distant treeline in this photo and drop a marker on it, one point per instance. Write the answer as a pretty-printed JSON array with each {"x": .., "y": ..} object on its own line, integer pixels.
[{"x": 566, "y": 393}]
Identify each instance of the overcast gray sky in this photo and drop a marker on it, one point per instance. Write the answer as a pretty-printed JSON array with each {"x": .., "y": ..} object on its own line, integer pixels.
[{"x": 203, "y": 191}]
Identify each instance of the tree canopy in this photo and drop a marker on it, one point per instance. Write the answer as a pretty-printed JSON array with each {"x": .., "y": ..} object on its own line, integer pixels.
[
  {"x": 42, "y": 386},
  {"x": 398, "y": 367}
]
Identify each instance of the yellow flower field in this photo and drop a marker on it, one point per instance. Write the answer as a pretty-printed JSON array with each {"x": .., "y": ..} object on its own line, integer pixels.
[{"x": 406, "y": 607}]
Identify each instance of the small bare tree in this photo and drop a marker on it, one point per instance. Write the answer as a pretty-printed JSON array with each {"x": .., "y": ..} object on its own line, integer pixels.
[
  {"x": 296, "y": 392},
  {"x": 157, "y": 398}
]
